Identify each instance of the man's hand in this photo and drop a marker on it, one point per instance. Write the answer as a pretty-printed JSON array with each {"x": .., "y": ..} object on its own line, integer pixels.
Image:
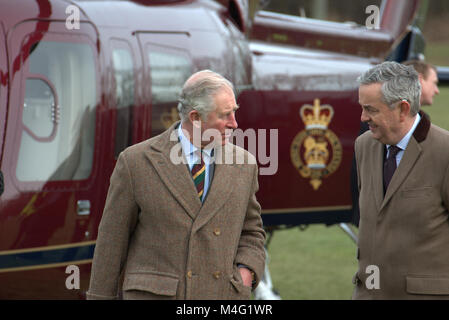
[{"x": 247, "y": 278}]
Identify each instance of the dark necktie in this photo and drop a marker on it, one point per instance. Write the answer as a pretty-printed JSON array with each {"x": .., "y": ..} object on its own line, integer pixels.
[
  {"x": 198, "y": 174},
  {"x": 390, "y": 165}
]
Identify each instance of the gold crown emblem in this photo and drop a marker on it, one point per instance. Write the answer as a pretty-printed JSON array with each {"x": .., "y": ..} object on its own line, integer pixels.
[
  {"x": 316, "y": 154},
  {"x": 316, "y": 116},
  {"x": 316, "y": 151}
]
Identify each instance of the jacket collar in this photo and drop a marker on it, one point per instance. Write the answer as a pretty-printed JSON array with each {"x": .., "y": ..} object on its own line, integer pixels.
[
  {"x": 422, "y": 130},
  {"x": 177, "y": 178}
]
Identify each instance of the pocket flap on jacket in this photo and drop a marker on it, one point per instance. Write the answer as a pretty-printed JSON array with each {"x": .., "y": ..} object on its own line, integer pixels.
[
  {"x": 159, "y": 284},
  {"x": 427, "y": 285},
  {"x": 416, "y": 192}
]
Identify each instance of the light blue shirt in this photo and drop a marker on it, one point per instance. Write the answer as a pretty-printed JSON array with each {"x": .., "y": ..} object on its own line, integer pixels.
[
  {"x": 192, "y": 155},
  {"x": 404, "y": 142}
]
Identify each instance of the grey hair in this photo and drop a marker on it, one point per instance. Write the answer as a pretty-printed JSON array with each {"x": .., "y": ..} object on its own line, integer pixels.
[
  {"x": 198, "y": 92},
  {"x": 399, "y": 82}
]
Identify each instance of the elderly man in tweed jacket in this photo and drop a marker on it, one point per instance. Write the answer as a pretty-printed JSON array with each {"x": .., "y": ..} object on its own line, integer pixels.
[{"x": 173, "y": 237}]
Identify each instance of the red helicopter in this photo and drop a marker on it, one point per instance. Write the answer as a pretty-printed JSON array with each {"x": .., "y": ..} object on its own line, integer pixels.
[{"x": 82, "y": 80}]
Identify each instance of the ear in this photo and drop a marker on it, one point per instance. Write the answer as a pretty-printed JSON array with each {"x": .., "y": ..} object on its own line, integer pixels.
[
  {"x": 404, "y": 110},
  {"x": 194, "y": 116}
]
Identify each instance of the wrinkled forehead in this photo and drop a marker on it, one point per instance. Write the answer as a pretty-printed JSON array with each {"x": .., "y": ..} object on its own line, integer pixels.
[{"x": 225, "y": 99}]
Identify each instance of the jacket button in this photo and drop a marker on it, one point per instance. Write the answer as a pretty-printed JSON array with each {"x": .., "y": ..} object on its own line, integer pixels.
[
  {"x": 217, "y": 231},
  {"x": 189, "y": 274},
  {"x": 217, "y": 274}
]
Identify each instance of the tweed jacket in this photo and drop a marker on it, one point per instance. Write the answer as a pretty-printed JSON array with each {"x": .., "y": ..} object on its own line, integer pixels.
[
  {"x": 169, "y": 245},
  {"x": 405, "y": 234}
]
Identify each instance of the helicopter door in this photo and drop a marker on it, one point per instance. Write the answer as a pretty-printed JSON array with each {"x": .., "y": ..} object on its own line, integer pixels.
[
  {"x": 51, "y": 154},
  {"x": 3, "y": 98}
]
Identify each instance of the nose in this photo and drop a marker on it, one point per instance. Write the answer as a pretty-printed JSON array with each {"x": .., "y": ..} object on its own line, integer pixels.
[
  {"x": 364, "y": 117},
  {"x": 232, "y": 123},
  {"x": 437, "y": 91}
]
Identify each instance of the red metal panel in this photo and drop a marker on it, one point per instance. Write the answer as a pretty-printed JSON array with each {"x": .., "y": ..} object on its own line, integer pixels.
[{"x": 3, "y": 87}]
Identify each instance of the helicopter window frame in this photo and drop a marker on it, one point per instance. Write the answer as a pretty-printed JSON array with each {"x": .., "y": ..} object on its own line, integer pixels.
[
  {"x": 77, "y": 164},
  {"x": 123, "y": 62},
  {"x": 165, "y": 111}
]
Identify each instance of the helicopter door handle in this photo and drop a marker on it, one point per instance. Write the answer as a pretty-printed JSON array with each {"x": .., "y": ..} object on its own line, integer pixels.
[{"x": 83, "y": 207}]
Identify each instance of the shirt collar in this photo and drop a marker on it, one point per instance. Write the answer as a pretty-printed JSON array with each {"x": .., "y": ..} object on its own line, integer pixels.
[
  {"x": 187, "y": 147},
  {"x": 404, "y": 142}
]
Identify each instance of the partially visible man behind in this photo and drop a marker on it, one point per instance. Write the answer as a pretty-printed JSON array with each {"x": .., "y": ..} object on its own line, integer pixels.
[
  {"x": 428, "y": 77},
  {"x": 403, "y": 179},
  {"x": 183, "y": 229}
]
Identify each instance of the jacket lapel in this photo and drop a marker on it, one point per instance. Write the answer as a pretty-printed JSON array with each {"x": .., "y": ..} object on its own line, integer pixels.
[
  {"x": 377, "y": 177},
  {"x": 220, "y": 188},
  {"x": 174, "y": 172},
  {"x": 411, "y": 154}
]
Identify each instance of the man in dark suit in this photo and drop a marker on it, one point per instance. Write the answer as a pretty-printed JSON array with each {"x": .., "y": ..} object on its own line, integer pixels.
[
  {"x": 403, "y": 179},
  {"x": 181, "y": 219}
]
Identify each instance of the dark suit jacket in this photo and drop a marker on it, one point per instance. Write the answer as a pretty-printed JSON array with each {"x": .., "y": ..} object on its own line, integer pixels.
[
  {"x": 406, "y": 232},
  {"x": 169, "y": 245}
]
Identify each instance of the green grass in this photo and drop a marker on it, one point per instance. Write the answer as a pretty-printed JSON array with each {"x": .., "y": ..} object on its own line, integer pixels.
[
  {"x": 317, "y": 263},
  {"x": 437, "y": 53},
  {"x": 439, "y": 111}
]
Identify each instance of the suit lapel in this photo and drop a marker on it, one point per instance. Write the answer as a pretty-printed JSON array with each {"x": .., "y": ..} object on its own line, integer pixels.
[
  {"x": 377, "y": 177},
  {"x": 219, "y": 189},
  {"x": 174, "y": 174},
  {"x": 210, "y": 178},
  {"x": 411, "y": 155}
]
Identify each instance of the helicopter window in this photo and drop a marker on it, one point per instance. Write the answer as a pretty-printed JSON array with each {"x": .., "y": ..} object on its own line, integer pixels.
[
  {"x": 124, "y": 93},
  {"x": 124, "y": 77},
  {"x": 57, "y": 143},
  {"x": 169, "y": 71},
  {"x": 38, "y": 108},
  {"x": 347, "y": 11},
  {"x": 241, "y": 51}
]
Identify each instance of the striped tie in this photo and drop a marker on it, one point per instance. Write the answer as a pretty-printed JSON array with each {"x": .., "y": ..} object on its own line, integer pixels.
[{"x": 198, "y": 174}]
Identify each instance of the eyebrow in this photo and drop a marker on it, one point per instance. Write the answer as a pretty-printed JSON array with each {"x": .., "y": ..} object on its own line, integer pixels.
[
  {"x": 368, "y": 106},
  {"x": 234, "y": 109}
]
